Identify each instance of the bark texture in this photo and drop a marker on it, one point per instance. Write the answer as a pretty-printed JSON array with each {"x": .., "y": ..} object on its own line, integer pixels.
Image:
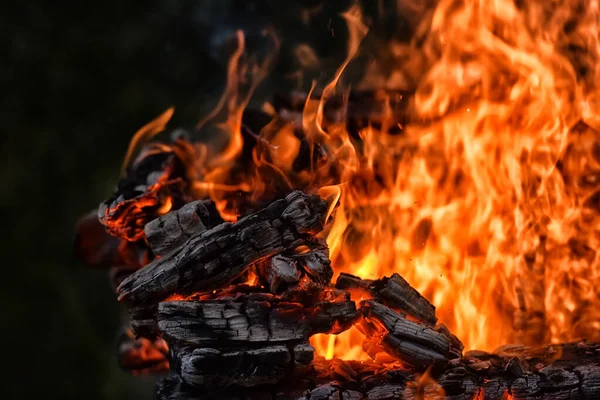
[{"x": 214, "y": 258}]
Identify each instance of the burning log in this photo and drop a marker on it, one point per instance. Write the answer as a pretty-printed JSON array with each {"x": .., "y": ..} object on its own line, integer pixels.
[
  {"x": 541, "y": 375},
  {"x": 413, "y": 343},
  {"x": 394, "y": 292},
  {"x": 214, "y": 258},
  {"x": 258, "y": 318},
  {"x": 288, "y": 271},
  {"x": 267, "y": 364},
  {"x": 171, "y": 230},
  {"x": 156, "y": 183},
  {"x": 141, "y": 355}
]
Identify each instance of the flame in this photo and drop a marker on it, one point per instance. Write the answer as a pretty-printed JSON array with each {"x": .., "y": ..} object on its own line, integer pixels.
[
  {"x": 147, "y": 132},
  {"x": 484, "y": 202},
  {"x": 424, "y": 387},
  {"x": 484, "y": 198}
]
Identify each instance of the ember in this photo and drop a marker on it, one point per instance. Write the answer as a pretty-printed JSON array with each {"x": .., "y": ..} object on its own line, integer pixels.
[{"x": 463, "y": 176}]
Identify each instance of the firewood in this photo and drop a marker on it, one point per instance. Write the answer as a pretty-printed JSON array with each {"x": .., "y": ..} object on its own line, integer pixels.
[
  {"x": 244, "y": 367},
  {"x": 293, "y": 269},
  {"x": 415, "y": 344},
  {"x": 574, "y": 375},
  {"x": 255, "y": 318},
  {"x": 213, "y": 258},
  {"x": 282, "y": 271},
  {"x": 156, "y": 182},
  {"x": 173, "y": 388},
  {"x": 171, "y": 230},
  {"x": 144, "y": 318},
  {"x": 395, "y": 293},
  {"x": 143, "y": 321}
]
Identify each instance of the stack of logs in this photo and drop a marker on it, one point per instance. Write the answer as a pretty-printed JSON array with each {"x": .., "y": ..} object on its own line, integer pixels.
[
  {"x": 251, "y": 341},
  {"x": 228, "y": 308},
  {"x": 245, "y": 335}
]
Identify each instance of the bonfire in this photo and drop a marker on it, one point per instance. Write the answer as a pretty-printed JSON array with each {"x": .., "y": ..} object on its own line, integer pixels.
[{"x": 428, "y": 231}]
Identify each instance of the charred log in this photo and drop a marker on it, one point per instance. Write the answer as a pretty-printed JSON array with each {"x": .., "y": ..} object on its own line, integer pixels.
[
  {"x": 415, "y": 344},
  {"x": 156, "y": 182},
  {"x": 250, "y": 320},
  {"x": 206, "y": 367},
  {"x": 171, "y": 230},
  {"x": 293, "y": 270},
  {"x": 478, "y": 375},
  {"x": 214, "y": 258},
  {"x": 394, "y": 292}
]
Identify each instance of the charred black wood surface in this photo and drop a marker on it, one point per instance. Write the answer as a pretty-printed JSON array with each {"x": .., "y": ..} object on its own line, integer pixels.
[
  {"x": 294, "y": 270},
  {"x": 171, "y": 230},
  {"x": 158, "y": 177},
  {"x": 250, "y": 320},
  {"x": 214, "y": 258},
  {"x": 269, "y": 364},
  {"x": 394, "y": 292},
  {"x": 414, "y": 343},
  {"x": 569, "y": 371}
]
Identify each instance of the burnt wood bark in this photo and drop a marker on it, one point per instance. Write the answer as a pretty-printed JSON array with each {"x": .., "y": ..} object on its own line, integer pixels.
[
  {"x": 159, "y": 176},
  {"x": 250, "y": 320},
  {"x": 415, "y": 344},
  {"x": 214, "y": 258},
  {"x": 171, "y": 230},
  {"x": 564, "y": 372},
  {"x": 394, "y": 292},
  {"x": 264, "y": 365},
  {"x": 293, "y": 270}
]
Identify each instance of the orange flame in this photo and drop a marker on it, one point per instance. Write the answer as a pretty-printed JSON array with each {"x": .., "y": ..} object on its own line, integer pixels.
[
  {"x": 480, "y": 203},
  {"x": 486, "y": 199},
  {"x": 147, "y": 132}
]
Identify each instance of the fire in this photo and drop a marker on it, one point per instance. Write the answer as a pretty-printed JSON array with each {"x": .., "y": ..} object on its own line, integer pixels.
[
  {"x": 482, "y": 202},
  {"x": 484, "y": 198}
]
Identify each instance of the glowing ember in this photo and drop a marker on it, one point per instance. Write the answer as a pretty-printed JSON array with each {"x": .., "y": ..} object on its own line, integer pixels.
[{"x": 484, "y": 199}]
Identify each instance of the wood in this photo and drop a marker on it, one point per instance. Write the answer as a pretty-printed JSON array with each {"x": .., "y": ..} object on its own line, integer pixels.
[
  {"x": 265, "y": 365},
  {"x": 250, "y": 319},
  {"x": 563, "y": 372},
  {"x": 143, "y": 321},
  {"x": 415, "y": 344},
  {"x": 171, "y": 230},
  {"x": 395, "y": 292},
  {"x": 214, "y": 258},
  {"x": 159, "y": 177},
  {"x": 292, "y": 270}
]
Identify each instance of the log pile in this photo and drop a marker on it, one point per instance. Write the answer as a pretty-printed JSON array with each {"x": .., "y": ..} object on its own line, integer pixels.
[{"x": 228, "y": 308}]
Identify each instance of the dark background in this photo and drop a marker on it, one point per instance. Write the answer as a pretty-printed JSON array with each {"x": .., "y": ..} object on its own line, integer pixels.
[{"x": 77, "y": 81}]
